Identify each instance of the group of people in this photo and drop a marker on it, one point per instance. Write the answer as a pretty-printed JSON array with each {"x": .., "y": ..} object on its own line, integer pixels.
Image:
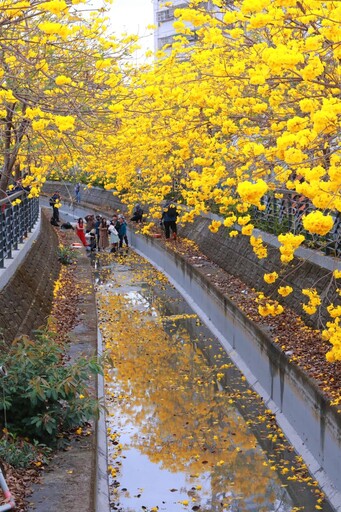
[{"x": 101, "y": 234}]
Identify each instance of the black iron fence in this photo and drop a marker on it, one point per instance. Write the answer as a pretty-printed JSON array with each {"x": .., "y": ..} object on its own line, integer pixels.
[
  {"x": 16, "y": 221},
  {"x": 284, "y": 212}
]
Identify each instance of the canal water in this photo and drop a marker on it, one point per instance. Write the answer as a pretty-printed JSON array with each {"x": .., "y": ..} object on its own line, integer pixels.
[{"x": 184, "y": 430}]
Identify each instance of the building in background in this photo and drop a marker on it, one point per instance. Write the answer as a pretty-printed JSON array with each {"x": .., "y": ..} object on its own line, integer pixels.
[{"x": 164, "y": 19}]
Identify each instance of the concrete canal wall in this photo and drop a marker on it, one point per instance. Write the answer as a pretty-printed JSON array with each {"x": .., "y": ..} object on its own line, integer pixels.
[{"x": 309, "y": 422}]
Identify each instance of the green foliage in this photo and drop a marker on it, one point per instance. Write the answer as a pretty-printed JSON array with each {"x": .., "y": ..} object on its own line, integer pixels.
[
  {"x": 43, "y": 395},
  {"x": 66, "y": 255},
  {"x": 20, "y": 454}
]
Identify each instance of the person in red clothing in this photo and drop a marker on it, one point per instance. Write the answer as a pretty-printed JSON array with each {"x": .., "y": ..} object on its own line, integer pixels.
[{"x": 80, "y": 231}]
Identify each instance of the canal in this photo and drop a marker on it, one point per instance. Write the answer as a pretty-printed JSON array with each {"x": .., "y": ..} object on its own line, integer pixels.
[{"x": 184, "y": 430}]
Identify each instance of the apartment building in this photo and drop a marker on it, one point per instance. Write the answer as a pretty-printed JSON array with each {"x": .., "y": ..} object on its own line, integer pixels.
[{"x": 163, "y": 20}]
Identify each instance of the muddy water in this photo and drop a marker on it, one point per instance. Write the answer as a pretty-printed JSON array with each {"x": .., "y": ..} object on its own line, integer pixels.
[{"x": 184, "y": 430}]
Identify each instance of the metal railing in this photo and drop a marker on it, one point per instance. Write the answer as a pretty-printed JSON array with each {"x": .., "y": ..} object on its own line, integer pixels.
[
  {"x": 16, "y": 221},
  {"x": 284, "y": 212}
]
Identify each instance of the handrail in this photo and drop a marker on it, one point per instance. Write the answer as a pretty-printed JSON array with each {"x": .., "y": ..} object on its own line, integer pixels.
[
  {"x": 10, "y": 197},
  {"x": 16, "y": 222}
]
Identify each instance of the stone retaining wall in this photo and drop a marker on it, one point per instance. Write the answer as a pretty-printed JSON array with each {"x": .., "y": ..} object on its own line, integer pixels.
[
  {"x": 25, "y": 302},
  {"x": 235, "y": 255}
]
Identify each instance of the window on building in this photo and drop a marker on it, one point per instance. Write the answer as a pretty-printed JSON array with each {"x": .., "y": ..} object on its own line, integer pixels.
[
  {"x": 165, "y": 15},
  {"x": 165, "y": 40}
]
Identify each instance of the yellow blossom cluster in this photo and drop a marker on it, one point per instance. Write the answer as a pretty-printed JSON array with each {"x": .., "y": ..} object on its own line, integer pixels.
[
  {"x": 314, "y": 300},
  {"x": 318, "y": 223},
  {"x": 252, "y": 192},
  {"x": 259, "y": 249},
  {"x": 289, "y": 244},
  {"x": 284, "y": 291},
  {"x": 268, "y": 307},
  {"x": 270, "y": 278}
]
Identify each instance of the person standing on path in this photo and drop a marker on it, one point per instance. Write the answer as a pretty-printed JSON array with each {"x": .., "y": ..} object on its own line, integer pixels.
[
  {"x": 55, "y": 203},
  {"x": 103, "y": 235},
  {"x": 113, "y": 237},
  {"x": 81, "y": 232},
  {"x": 97, "y": 225},
  {"x": 78, "y": 192},
  {"x": 168, "y": 219},
  {"x": 122, "y": 231}
]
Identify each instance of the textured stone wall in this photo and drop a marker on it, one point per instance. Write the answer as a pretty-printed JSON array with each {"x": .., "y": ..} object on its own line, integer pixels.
[
  {"x": 25, "y": 302},
  {"x": 235, "y": 255}
]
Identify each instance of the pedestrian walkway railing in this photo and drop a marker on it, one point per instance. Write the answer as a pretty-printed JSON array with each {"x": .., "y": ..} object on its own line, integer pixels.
[
  {"x": 284, "y": 211},
  {"x": 16, "y": 222}
]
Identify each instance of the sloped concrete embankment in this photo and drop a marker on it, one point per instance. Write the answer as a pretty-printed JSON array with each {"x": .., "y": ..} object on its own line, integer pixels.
[
  {"x": 305, "y": 416},
  {"x": 26, "y": 299}
]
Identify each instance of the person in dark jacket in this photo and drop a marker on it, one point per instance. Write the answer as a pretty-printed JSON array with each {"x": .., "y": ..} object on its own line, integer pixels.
[
  {"x": 54, "y": 200},
  {"x": 168, "y": 220},
  {"x": 122, "y": 231},
  {"x": 137, "y": 214},
  {"x": 97, "y": 225}
]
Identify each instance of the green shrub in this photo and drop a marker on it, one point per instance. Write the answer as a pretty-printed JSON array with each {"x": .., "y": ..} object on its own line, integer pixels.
[
  {"x": 43, "y": 395},
  {"x": 20, "y": 454},
  {"x": 66, "y": 255}
]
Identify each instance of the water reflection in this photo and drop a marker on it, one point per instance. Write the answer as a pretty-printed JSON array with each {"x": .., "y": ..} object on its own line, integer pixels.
[{"x": 184, "y": 430}]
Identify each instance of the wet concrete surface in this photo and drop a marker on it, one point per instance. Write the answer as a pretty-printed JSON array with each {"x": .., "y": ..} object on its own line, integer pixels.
[{"x": 185, "y": 432}]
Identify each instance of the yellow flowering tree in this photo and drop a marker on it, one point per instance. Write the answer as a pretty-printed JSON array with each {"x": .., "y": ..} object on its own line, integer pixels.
[
  {"x": 251, "y": 107},
  {"x": 61, "y": 77}
]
